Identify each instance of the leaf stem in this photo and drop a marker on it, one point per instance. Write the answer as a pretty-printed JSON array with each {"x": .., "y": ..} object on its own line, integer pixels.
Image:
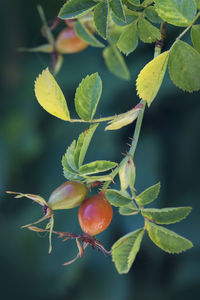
[
  {"x": 186, "y": 30},
  {"x": 49, "y": 36},
  {"x": 157, "y": 51},
  {"x": 94, "y": 120},
  {"x": 137, "y": 130}
]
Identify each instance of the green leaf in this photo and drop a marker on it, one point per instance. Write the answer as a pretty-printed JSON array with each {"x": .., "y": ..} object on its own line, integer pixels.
[
  {"x": 115, "y": 62},
  {"x": 125, "y": 250},
  {"x": 117, "y": 198},
  {"x": 197, "y": 4},
  {"x": 83, "y": 144},
  {"x": 134, "y": 2},
  {"x": 74, "y": 8},
  {"x": 166, "y": 239},
  {"x": 97, "y": 178},
  {"x": 150, "y": 78},
  {"x": 146, "y": 3},
  {"x": 151, "y": 13},
  {"x": 69, "y": 155},
  {"x": 128, "y": 40},
  {"x": 195, "y": 36},
  {"x": 129, "y": 210},
  {"x": 50, "y": 96},
  {"x": 184, "y": 67},
  {"x": 117, "y": 8},
  {"x": 130, "y": 17},
  {"x": 97, "y": 167},
  {"x": 147, "y": 32},
  {"x": 82, "y": 31},
  {"x": 149, "y": 195},
  {"x": 176, "y": 12},
  {"x": 68, "y": 172},
  {"x": 101, "y": 13},
  {"x": 167, "y": 215},
  {"x": 87, "y": 96}
]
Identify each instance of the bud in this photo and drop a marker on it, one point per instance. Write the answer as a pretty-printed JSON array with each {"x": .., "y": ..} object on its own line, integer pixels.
[
  {"x": 125, "y": 118},
  {"x": 127, "y": 175}
]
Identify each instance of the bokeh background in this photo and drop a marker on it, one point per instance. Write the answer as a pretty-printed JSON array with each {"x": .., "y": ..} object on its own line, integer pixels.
[{"x": 31, "y": 147}]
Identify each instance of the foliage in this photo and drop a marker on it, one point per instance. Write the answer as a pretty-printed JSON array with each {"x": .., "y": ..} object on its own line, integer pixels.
[{"x": 122, "y": 24}]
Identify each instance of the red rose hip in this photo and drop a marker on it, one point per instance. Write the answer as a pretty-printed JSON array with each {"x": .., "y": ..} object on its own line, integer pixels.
[{"x": 95, "y": 214}]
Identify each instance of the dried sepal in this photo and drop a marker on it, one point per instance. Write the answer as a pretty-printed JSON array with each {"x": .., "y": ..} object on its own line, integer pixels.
[
  {"x": 48, "y": 214},
  {"x": 35, "y": 198},
  {"x": 81, "y": 251},
  {"x": 82, "y": 241},
  {"x": 50, "y": 227}
]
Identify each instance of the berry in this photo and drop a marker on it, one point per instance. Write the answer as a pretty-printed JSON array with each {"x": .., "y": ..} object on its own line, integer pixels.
[
  {"x": 95, "y": 214},
  {"x": 68, "y": 42},
  {"x": 68, "y": 195}
]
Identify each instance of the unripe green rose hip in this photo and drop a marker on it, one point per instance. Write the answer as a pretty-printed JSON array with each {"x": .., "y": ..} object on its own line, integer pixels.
[{"x": 68, "y": 195}]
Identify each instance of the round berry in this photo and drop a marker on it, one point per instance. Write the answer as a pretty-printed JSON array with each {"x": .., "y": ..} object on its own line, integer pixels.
[{"x": 95, "y": 214}]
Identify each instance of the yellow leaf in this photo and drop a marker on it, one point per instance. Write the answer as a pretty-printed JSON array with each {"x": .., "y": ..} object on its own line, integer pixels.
[
  {"x": 50, "y": 96},
  {"x": 150, "y": 78}
]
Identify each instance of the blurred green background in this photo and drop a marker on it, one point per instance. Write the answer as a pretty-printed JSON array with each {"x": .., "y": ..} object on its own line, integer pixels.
[{"x": 32, "y": 144}]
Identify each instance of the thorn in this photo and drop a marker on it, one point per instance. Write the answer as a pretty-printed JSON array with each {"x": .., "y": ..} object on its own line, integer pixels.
[
  {"x": 112, "y": 180},
  {"x": 128, "y": 144},
  {"x": 130, "y": 138},
  {"x": 123, "y": 154},
  {"x": 67, "y": 238}
]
